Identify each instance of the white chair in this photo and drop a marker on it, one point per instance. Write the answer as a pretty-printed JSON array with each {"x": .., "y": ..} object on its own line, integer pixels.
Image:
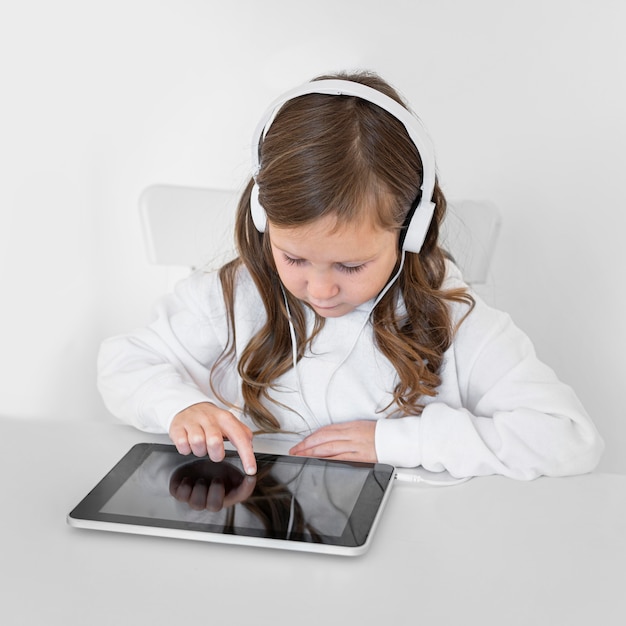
[
  {"x": 190, "y": 227},
  {"x": 470, "y": 233}
]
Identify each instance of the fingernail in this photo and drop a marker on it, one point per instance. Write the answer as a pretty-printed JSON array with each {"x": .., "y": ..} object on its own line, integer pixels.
[{"x": 251, "y": 471}]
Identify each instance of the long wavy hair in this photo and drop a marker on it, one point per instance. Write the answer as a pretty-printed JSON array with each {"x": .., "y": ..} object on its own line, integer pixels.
[{"x": 337, "y": 155}]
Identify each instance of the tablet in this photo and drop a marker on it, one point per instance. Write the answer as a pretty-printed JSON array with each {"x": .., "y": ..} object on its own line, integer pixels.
[{"x": 296, "y": 503}]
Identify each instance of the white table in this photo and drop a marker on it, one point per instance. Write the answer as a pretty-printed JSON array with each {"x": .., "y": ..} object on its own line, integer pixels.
[{"x": 490, "y": 551}]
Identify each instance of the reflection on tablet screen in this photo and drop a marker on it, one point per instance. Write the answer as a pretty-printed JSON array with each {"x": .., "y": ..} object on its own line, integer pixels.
[{"x": 302, "y": 501}]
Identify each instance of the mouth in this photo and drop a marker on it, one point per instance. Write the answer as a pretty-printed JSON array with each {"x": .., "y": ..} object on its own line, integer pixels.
[
  {"x": 335, "y": 310},
  {"x": 323, "y": 307}
]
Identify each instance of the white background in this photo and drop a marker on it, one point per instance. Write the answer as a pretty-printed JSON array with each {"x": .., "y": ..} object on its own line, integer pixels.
[{"x": 524, "y": 100}]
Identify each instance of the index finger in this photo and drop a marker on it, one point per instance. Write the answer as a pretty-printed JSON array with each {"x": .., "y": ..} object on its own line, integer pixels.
[{"x": 241, "y": 438}]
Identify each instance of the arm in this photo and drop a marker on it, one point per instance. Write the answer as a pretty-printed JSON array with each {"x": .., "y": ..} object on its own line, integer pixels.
[
  {"x": 511, "y": 416},
  {"x": 150, "y": 378}
]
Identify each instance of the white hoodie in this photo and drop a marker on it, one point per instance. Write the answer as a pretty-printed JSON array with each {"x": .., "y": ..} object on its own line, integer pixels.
[{"x": 498, "y": 410}]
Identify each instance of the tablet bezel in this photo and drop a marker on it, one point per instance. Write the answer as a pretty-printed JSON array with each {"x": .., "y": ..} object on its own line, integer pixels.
[{"x": 363, "y": 519}]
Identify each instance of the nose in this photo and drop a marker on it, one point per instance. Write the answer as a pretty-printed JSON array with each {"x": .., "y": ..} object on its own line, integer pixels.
[{"x": 321, "y": 286}]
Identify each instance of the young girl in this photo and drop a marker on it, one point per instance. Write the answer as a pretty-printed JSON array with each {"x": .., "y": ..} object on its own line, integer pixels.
[{"x": 342, "y": 324}]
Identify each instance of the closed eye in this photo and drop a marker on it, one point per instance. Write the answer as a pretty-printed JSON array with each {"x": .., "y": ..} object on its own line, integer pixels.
[
  {"x": 291, "y": 261},
  {"x": 347, "y": 269},
  {"x": 351, "y": 269}
]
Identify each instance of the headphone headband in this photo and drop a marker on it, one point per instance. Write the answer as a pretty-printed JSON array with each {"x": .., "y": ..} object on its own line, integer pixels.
[{"x": 422, "y": 216}]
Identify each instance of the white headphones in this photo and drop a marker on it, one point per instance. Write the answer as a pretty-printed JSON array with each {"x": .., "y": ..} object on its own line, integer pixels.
[{"x": 421, "y": 214}]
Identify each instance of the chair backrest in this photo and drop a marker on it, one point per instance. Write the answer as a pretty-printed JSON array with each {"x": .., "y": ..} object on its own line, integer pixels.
[
  {"x": 188, "y": 226},
  {"x": 193, "y": 226},
  {"x": 470, "y": 233}
]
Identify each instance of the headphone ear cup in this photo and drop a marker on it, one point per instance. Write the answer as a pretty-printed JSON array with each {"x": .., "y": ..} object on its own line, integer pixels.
[
  {"x": 259, "y": 217},
  {"x": 420, "y": 218}
]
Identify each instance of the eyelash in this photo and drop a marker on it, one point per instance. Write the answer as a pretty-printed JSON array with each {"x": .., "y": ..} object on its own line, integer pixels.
[
  {"x": 291, "y": 261},
  {"x": 348, "y": 269},
  {"x": 351, "y": 269}
]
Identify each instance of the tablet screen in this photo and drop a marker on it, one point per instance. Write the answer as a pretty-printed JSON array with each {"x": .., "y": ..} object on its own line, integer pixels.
[{"x": 291, "y": 499}]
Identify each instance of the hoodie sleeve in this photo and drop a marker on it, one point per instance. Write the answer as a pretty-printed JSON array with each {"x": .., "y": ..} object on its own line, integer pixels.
[
  {"x": 509, "y": 413},
  {"x": 148, "y": 376}
]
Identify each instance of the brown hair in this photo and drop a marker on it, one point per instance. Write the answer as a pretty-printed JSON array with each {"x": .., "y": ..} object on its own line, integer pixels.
[{"x": 325, "y": 155}]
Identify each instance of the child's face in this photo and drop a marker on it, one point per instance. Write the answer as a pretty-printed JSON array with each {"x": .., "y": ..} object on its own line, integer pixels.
[{"x": 334, "y": 270}]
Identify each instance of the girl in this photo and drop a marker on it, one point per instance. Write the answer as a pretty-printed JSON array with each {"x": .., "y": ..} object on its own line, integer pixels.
[{"x": 342, "y": 324}]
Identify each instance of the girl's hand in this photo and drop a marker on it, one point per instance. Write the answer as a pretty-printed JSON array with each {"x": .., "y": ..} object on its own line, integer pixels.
[
  {"x": 350, "y": 441},
  {"x": 202, "y": 428}
]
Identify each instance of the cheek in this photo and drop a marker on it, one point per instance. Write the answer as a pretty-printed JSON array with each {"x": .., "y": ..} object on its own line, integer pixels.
[
  {"x": 370, "y": 289},
  {"x": 359, "y": 290},
  {"x": 374, "y": 284},
  {"x": 289, "y": 276}
]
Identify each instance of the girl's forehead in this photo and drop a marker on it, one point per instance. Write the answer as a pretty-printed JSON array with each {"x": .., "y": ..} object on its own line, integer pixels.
[
  {"x": 327, "y": 235},
  {"x": 328, "y": 226},
  {"x": 373, "y": 205}
]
